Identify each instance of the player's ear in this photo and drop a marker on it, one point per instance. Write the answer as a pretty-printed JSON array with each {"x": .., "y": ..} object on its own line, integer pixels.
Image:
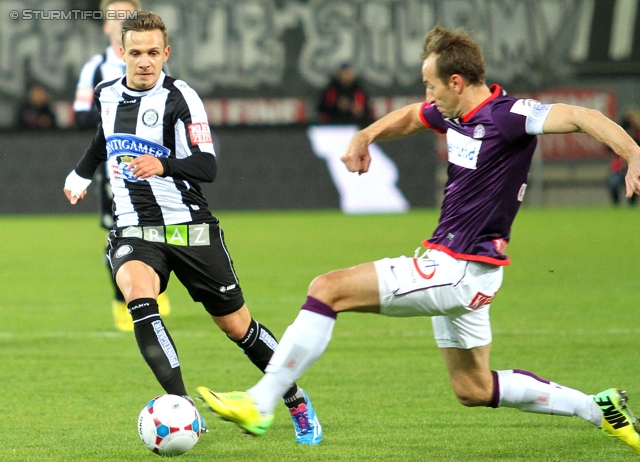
[
  {"x": 167, "y": 51},
  {"x": 122, "y": 52},
  {"x": 456, "y": 82}
]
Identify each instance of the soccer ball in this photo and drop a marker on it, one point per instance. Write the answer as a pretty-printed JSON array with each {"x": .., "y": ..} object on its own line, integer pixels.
[{"x": 169, "y": 425}]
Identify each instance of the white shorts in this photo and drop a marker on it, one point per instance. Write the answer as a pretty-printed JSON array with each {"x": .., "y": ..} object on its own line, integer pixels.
[{"x": 455, "y": 293}]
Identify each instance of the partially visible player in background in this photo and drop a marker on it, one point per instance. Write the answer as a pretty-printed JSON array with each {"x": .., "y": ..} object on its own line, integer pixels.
[
  {"x": 155, "y": 137},
  {"x": 108, "y": 66},
  {"x": 491, "y": 138},
  {"x": 36, "y": 112}
]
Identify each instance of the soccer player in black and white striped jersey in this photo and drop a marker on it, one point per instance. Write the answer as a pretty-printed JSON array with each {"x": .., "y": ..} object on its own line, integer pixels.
[{"x": 154, "y": 136}]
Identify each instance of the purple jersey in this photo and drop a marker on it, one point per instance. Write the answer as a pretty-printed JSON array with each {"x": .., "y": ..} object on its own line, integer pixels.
[{"x": 489, "y": 151}]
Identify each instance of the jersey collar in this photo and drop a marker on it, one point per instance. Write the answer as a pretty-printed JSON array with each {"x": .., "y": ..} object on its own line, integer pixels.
[
  {"x": 496, "y": 90},
  {"x": 136, "y": 93}
]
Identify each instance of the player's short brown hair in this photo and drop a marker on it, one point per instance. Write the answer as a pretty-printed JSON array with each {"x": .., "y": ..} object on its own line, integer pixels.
[
  {"x": 145, "y": 20},
  {"x": 456, "y": 52},
  {"x": 104, "y": 4}
]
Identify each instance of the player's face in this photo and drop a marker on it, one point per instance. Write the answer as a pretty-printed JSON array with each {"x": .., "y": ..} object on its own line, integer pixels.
[
  {"x": 442, "y": 95},
  {"x": 144, "y": 53}
]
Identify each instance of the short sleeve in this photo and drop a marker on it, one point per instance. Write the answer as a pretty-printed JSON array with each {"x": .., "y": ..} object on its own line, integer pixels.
[
  {"x": 536, "y": 118},
  {"x": 432, "y": 118},
  {"x": 520, "y": 118}
]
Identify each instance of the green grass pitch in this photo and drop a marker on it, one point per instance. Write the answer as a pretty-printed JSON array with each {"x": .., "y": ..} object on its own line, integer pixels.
[{"x": 71, "y": 387}]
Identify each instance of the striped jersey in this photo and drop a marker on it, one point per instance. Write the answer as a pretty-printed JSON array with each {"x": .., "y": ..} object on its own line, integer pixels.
[
  {"x": 489, "y": 153},
  {"x": 105, "y": 66},
  {"x": 167, "y": 121}
]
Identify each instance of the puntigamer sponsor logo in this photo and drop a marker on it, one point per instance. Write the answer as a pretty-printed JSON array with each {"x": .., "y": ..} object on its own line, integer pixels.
[{"x": 131, "y": 144}]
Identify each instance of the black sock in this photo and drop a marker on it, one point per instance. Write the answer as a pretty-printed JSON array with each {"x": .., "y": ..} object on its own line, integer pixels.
[
  {"x": 156, "y": 345},
  {"x": 259, "y": 344}
]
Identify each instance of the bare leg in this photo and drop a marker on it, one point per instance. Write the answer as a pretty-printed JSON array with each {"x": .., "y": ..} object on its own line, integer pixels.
[
  {"x": 352, "y": 289},
  {"x": 140, "y": 286},
  {"x": 469, "y": 373}
]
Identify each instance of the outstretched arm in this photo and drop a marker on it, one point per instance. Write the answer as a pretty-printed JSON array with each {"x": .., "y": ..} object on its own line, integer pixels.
[
  {"x": 397, "y": 124},
  {"x": 77, "y": 182},
  {"x": 564, "y": 118}
]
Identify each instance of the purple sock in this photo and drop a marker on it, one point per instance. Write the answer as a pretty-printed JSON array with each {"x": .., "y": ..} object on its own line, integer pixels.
[
  {"x": 495, "y": 396},
  {"x": 532, "y": 375},
  {"x": 315, "y": 305}
]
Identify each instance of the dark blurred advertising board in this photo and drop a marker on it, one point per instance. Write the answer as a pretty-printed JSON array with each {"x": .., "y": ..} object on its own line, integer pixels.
[{"x": 259, "y": 168}]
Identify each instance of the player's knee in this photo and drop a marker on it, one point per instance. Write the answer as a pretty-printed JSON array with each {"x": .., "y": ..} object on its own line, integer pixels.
[
  {"x": 326, "y": 288},
  {"x": 472, "y": 396},
  {"x": 468, "y": 399},
  {"x": 236, "y": 324}
]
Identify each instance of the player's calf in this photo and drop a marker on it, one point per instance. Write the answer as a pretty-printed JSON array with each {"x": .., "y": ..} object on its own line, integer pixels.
[{"x": 156, "y": 345}]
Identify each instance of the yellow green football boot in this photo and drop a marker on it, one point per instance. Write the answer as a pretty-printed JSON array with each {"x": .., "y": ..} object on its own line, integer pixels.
[
  {"x": 237, "y": 407},
  {"x": 617, "y": 419},
  {"x": 121, "y": 317},
  {"x": 164, "y": 305}
]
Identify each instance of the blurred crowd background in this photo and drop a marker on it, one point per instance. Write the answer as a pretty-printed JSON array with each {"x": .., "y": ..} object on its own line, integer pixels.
[{"x": 292, "y": 63}]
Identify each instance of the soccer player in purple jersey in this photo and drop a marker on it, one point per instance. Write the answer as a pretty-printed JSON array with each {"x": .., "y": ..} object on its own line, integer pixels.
[{"x": 491, "y": 138}]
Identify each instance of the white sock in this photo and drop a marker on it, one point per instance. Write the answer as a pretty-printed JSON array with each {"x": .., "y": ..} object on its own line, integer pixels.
[
  {"x": 302, "y": 344},
  {"x": 529, "y": 393}
]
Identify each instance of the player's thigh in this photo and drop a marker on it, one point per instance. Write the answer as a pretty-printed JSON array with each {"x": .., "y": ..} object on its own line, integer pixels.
[
  {"x": 467, "y": 361},
  {"x": 137, "y": 280},
  {"x": 124, "y": 252},
  {"x": 208, "y": 274},
  {"x": 349, "y": 289}
]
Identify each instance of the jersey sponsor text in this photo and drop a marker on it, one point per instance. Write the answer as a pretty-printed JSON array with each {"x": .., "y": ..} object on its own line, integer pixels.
[
  {"x": 199, "y": 133},
  {"x": 463, "y": 150}
]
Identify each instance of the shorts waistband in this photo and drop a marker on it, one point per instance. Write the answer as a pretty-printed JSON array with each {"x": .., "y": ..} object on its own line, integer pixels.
[{"x": 184, "y": 235}]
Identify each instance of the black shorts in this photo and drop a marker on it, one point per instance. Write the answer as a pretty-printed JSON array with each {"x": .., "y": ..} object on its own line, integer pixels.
[{"x": 199, "y": 259}]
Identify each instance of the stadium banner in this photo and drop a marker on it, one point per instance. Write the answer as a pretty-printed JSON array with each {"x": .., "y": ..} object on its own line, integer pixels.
[
  {"x": 259, "y": 111},
  {"x": 259, "y": 168},
  {"x": 290, "y": 48}
]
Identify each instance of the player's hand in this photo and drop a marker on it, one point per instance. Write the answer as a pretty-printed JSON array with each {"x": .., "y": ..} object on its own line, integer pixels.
[
  {"x": 72, "y": 198},
  {"x": 356, "y": 155},
  {"x": 75, "y": 187},
  {"x": 146, "y": 166},
  {"x": 632, "y": 179}
]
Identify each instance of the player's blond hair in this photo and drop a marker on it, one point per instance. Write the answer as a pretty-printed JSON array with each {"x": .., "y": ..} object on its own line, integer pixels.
[
  {"x": 104, "y": 4},
  {"x": 456, "y": 52},
  {"x": 144, "y": 21}
]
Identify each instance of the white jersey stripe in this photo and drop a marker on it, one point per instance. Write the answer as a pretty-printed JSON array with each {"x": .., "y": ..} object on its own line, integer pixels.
[
  {"x": 182, "y": 147},
  {"x": 170, "y": 201},
  {"x": 197, "y": 112}
]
